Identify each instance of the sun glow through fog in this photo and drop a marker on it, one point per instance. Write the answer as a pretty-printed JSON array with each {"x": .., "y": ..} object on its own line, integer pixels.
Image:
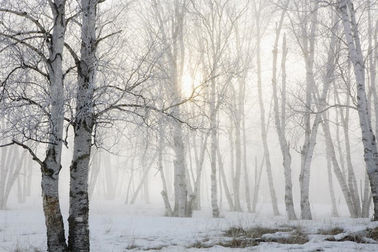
[{"x": 187, "y": 85}]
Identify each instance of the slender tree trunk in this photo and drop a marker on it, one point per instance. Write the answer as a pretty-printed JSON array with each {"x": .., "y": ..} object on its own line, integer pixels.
[
  {"x": 310, "y": 137},
  {"x": 347, "y": 193},
  {"x": 145, "y": 180},
  {"x": 258, "y": 173},
  {"x": 51, "y": 165},
  {"x": 264, "y": 136},
  {"x": 95, "y": 165},
  {"x": 130, "y": 180},
  {"x": 330, "y": 185},
  {"x": 245, "y": 166},
  {"x": 373, "y": 52},
  {"x": 164, "y": 192},
  {"x": 280, "y": 119},
  {"x": 351, "y": 177},
  {"x": 213, "y": 150},
  {"x": 144, "y": 177},
  {"x": 29, "y": 174},
  {"x": 224, "y": 180},
  {"x": 197, "y": 185},
  {"x": 366, "y": 198},
  {"x": 199, "y": 161},
  {"x": 78, "y": 239},
  {"x": 4, "y": 164},
  {"x": 347, "y": 12},
  {"x": 15, "y": 167},
  {"x": 235, "y": 175}
]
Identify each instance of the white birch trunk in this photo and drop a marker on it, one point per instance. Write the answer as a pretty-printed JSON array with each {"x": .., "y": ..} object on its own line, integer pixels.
[
  {"x": 280, "y": 118},
  {"x": 224, "y": 181},
  {"x": 78, "y": 239},
  {"x": 310, "y": 136},
  {"x": 330, "y": 185},
  {"x": 347, "y": 12},
  {"x": 258, "y": 173},
  {"x": 164, "y": 192},
  {"x": 51, "y": 166},
  {"x": 213, "y": 149},
  {"x": 264, "y": 136}
]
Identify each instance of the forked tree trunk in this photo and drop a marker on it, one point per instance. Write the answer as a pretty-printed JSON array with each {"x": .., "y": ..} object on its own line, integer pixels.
[
  {"x": 264, "y": 136},
  {"x": 280, "y": 118},
  {"x": 199, "y": 163},
  {"x": 308, "y": 48},
  {"x": 144, "y": 177},
  {"x": 347, "y": 193}
]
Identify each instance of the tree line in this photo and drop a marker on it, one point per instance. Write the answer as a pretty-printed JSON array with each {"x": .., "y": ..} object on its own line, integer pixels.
[{"x": 170, "y": 82}]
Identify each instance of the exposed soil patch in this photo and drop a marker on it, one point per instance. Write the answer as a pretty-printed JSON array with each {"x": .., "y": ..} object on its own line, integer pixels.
[
  {"x": 256, "y": 232},
  {"x": 332, "y": 231},
  {"x": 372, "y": 233},
  {"x": 237, "y": 237},
  {"x": 242, "y": 238}
]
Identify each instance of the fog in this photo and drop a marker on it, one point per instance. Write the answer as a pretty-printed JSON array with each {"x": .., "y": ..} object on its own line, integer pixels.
[{"x": 177, "y": 124}]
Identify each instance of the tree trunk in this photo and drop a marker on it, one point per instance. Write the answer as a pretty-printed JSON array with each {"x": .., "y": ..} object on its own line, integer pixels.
[
  {"x": 144, "y": 177},
  {"x": 164, "y": 192},
  {"x": 280, "y": 119},
  {"x": 258, "y": 173},
  {"x": 347, "y": 193},
  {"x": 199, "y": 163},
  {"x": 95, "y": 166},
  {"x": 246, "y": 175},
  {"x": 51, "y": 166},
  {"x": 330, "y": 185},
  {"x": 78, "y": 238},
  {"x": 346, "y": 9},
  {"x": 213, "y": 149},
  {"x": 224, "y": 180},
  {"x": 264, "y": 136},
  {"x": 310, "y": 137},
  {"x": 128, "y": 190}
]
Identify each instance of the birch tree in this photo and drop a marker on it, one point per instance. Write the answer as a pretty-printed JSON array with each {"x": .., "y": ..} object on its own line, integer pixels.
[
  {"x": 45, "y": 41},
  {"x": 258, "y": 8},
  {"x": 347, "y": 12},
  {"x": 304, "y": 28},
  {"x": 280, "y": 116}
]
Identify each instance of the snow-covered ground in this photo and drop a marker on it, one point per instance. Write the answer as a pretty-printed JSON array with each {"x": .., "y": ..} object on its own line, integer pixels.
[{"x": 118, "y": 227}]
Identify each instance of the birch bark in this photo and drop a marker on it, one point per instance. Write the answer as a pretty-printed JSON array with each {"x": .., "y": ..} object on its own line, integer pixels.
[
  {"x": 280, "y": 118},
  {"x": 51, "y": 165},
  {"x": 78, "y": 238},
  {"x": 347, "y": 12}
]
